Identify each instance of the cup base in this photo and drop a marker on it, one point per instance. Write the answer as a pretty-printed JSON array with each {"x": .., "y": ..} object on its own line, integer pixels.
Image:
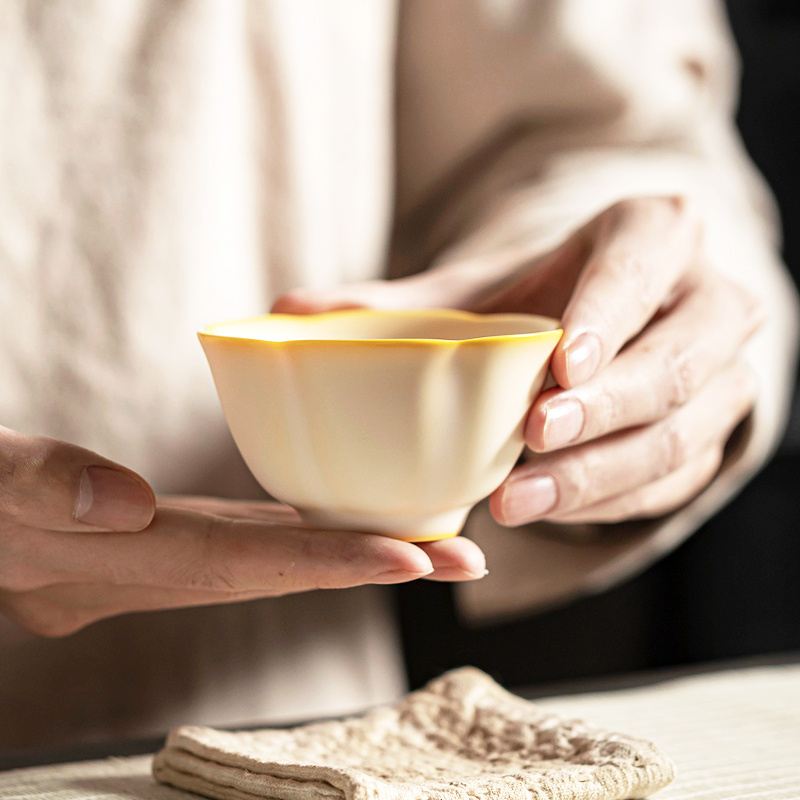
[
  {"x": 405, "y": 528},
  {"x": 418, "y": 538}
]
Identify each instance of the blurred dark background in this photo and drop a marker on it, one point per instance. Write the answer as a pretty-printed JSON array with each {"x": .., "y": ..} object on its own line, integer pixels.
[{"x": 733, "y": 589}]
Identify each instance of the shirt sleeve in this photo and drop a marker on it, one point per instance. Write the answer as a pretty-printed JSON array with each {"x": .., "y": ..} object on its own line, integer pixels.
[{"x": 518, "y": 121}]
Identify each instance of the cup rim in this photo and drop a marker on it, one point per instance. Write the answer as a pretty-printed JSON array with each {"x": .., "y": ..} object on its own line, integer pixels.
[{"x": 209, "y": 332}]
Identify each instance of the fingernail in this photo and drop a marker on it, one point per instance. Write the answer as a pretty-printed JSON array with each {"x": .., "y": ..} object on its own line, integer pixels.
[
  {"x": 398, "y": 576},
  {"x": 474, "y": 575},
  {"x": 525, "y": 499},
  {"x": 583, "y": 358},
  {"x": 113, "y": 499},
  {"x": 563, "y": 422},
  {"x": 456, "y": 575}
]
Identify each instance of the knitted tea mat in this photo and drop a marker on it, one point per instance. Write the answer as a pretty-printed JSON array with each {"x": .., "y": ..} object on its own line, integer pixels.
[{"x": 462, "y": 737}]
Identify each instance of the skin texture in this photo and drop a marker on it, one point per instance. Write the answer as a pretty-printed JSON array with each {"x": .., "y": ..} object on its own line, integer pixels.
[
  {"x": 82, "y": 539},
  {"x": 651, "y": 381}
]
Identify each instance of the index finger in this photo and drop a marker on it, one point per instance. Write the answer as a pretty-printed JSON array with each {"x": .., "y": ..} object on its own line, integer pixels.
[{"x": 642, "y": 253}]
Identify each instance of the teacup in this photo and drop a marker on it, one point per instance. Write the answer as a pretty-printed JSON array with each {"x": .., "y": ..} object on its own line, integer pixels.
[{"x": 394, "y": 422}]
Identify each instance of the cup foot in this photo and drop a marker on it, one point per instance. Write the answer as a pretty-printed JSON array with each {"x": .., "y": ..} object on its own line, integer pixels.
[
  {"x": 418, "y": 538},
  {"x": 405, "y": 528}
]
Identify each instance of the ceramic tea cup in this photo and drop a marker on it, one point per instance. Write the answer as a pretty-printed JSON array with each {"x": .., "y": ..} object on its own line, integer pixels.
[{"x": 395, "y": 422}]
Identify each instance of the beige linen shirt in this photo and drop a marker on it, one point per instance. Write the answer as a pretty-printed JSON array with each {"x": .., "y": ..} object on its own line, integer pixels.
[{"x": 163, "y": 165}]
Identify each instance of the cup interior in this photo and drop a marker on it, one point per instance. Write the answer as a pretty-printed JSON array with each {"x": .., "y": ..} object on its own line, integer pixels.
[{"x": 371, "y": 325}]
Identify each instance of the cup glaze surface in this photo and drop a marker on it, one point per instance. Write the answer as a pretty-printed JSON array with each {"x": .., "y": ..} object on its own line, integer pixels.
[{"x": 395, "y": 422}]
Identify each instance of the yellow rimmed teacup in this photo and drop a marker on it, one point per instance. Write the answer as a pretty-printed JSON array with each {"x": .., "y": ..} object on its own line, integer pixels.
[{"x": 395, "y": 422}]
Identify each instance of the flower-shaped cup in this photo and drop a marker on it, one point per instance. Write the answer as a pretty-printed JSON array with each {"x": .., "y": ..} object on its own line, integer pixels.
[{"x": 395, "y": 422}]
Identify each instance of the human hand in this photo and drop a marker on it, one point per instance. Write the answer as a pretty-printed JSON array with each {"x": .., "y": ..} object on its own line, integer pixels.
[
  {"x": 82, "y": 538},
  {"x": 650, "y": 377}
]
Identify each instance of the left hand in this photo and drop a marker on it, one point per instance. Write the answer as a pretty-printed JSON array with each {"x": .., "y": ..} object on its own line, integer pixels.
[
  {"x": 83, "y": 538},
  {"x": 651, "y": 381}
]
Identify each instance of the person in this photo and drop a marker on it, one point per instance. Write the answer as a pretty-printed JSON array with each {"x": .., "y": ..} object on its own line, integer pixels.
[{"x": 170, "y": 165}]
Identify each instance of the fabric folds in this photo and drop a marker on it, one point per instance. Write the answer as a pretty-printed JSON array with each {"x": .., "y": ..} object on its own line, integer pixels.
[{"x": 462, "y": 736}]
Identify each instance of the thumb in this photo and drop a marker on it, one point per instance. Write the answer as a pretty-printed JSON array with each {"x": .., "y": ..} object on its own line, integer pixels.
[
  {"x": 451, "y": 286},
  {"x": 54, "y": 485},
  {"x": 367, "y": 294},
  {"x": 501, "y": 282}
]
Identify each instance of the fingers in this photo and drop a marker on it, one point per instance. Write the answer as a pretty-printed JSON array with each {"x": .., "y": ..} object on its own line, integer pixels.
[
  {"x": 642, "y": 250},
  {"x": 186, "y": 550},
  {"x": 557, "y": 484},
  {"x": 455, "y": 559},
  {"x": 50, "y": 484},
  {"x": 56, "y": 582},
  {"x": 659, "y": 372},
  {"x": 61, "y": 609},
  {"x": 656, "y": 498}
]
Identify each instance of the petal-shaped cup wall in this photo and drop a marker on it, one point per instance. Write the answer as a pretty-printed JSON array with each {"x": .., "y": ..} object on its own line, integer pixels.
[{"x": 396, "y": 422}]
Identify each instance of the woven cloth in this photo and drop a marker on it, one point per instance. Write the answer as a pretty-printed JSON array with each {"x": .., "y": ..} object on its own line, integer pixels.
[
  {"x": 734, "y": 735},
  {"x": 460, "y": 737}
]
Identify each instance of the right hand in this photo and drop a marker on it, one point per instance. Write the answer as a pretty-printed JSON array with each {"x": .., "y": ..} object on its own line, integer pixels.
[{"x": 82, "y": 538}]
